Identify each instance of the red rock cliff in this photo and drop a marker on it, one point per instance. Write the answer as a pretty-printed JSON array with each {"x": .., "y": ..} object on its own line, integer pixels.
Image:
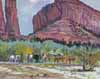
[
  {"x": 2, "y": 22},
  {"x": 12, "y": 24},
  {"x": 52, "y": 13},
  {"x": 68, "y": 21}
]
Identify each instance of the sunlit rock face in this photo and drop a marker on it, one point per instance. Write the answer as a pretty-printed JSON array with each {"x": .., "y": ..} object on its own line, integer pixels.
[
  {"x": 53, "y": 12},
  {"x": 69, "y": 21},
  {"x": 46, "y": 16},
  {"x": 2, "y": 23},
  {"x": 12, "y": 25}
]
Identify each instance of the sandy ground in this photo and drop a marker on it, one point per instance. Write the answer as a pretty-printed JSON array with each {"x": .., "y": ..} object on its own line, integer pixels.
[
  {"x": 8, "y": 71},
  {"x": 26, "y": 72}
]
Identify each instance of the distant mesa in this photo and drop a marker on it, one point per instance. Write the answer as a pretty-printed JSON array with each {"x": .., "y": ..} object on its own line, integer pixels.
[{"x": 68, "y": 21}]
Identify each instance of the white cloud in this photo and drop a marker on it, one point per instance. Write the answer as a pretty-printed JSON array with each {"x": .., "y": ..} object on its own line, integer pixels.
[{"x": 34, "y": 1}]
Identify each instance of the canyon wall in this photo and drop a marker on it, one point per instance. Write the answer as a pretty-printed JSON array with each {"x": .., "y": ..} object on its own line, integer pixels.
[
  {"x": 68, "y": 21},
  {"x": 2, "y": 23},
  {"x": 12, "y": 25},
  {"x": 71, "y": 9}
]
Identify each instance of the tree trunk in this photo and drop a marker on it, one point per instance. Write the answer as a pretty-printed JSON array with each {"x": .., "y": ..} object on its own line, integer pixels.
[
  {"x": 87, "y": 67},
  {"x": 22, "y": 58}
]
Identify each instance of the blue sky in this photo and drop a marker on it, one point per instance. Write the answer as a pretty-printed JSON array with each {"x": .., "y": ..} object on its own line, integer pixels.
[{"x": 28, "y": 8}]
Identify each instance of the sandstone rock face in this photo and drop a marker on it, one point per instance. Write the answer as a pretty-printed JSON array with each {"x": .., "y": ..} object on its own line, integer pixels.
[
  {"x": 46, "y": 16},
  {"x": 68, "y": 32},
  {"x": 2, "y": 23},
  {"x": 12, "y": 25},
  {"x": 68, "y": 21}
]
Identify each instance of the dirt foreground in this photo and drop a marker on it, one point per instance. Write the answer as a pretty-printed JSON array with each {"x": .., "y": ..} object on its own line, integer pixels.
[{"x": 26, "y": 72}]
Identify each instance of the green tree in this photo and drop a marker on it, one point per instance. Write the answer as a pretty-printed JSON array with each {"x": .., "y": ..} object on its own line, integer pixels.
[{"x": 3, "y": 51}]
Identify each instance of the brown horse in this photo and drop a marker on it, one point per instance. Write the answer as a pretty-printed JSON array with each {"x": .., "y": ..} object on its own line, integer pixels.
[
  {"x": 59, "y": 59},
  {"x": 65, "y": 59},
  {"x": 46, "y": 57}
]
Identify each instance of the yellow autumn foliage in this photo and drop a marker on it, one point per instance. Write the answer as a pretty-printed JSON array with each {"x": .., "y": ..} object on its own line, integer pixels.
[
  {"x": 21, "y": 48},
  {"x": 29, "y": 50}
]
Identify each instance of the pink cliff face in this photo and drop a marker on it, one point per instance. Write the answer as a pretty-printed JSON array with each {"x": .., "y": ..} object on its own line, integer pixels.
[
  {"x": 12, "y": 25},
  {"x": 2, "y": 23},
  {"x": 46, "y": 16},
  {"x": 68, "y": 21}
]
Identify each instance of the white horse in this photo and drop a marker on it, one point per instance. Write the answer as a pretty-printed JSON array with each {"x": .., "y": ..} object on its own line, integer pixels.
[
  {"x": 12, "y": 58},
  {"x": 30, "y": 58}
]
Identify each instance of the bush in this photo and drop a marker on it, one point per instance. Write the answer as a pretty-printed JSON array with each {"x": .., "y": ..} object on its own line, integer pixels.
[
  {"x": 3, "y": 51},
  {"x": 88, "y": 56}
]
